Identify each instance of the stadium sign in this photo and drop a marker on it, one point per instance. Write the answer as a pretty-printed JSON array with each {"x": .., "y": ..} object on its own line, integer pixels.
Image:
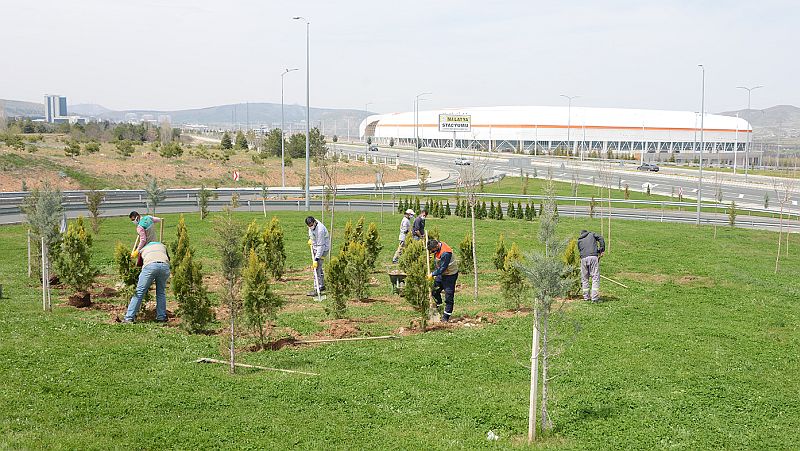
[{"x": 455, "y": 123}]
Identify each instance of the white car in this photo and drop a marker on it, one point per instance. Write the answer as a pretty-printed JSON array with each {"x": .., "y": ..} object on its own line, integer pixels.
[{"x": 462, "y": 162}]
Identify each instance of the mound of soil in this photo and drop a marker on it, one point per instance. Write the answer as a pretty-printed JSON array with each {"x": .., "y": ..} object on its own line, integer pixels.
[
  {"x": 273, "y": 345},
  {"x": 339, "y": 328},
  {"x": 107, "y": 292},
  {"x": 80, "y": 300}
]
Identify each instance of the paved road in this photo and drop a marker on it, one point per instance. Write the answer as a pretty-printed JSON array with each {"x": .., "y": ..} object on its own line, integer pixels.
[{"x": 748, "y": 192}]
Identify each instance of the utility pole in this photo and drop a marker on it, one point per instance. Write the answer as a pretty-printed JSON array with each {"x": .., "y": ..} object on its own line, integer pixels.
[
  {"x": 308, "y": 113},
  {"x": 569, "y": 114},
  {"x": 416, "y": 132},
  {"x": 749, "y": 135},
  {"x": 702, "y": 118},
  {"x": 283, "y": 154}
]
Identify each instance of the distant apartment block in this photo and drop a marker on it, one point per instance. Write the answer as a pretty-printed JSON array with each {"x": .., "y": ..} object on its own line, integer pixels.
[{"x": 55, "y": 108}]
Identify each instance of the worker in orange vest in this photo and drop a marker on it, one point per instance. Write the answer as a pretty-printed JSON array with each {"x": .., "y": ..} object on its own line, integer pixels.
[{"x": 444, "y": 276}]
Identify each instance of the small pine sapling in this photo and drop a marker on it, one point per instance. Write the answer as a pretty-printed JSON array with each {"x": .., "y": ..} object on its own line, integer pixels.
[
  {"x": 511, "y": 211},
  {"x": 74, "y": 263},
  {"x": 572, "y": 258},
  {"x": 358, "y": 269},
  {"x": 373, "y": 245},
  {"x": 491, "y": 209},
  {"x": 417, "y": 287},
  {"x": 261, "y": 304},
  {"x": 500, "y": 253},
  {"x": 447, "y": 208},
  {"x": 127, "y": 270},
  {"x": 732, "y": 214},
  {"x": 194, "y": 306},
  {"x": 512, "y": 282},
  {"x": 499, "y": 212},
  {"x": 252, "y": 238},
  {"x": 274, "y": 252},
  {"x": 465, "y": 255},
  {"x": 339, "y": 286},
  {"x": 519, "y": 211}
]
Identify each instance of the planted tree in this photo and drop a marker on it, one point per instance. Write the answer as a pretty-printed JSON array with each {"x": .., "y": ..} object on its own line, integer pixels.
[
  {"x": 465, "y": 254},
  {"x": 512, "y": 282},
  {"x": 732, "y": 214},
  {"x": 357, "y": 269},
  {"x": 127, "y": 270},
  {"x": 372, "y": 243},
  {"x": 549, "y": 279},
  {"x": 74, "y": 264},
  {"x": 572, "y": 258},
  {"x": 155, "y": 194},
  {"x": 416, "y": 290},
  {"x": 338, "y": 285},
  {"x": 274, "y": 252},
  {"x": 228, "y": 240},
  {"x": 252, "y": 238},
  {"x": 94, "y": 199},
  {"x": 241, "y": 141},
  {"x": 500, "y": 253},
  {"x": 261, "y": 304},
  {"x": 194, "y": 306},
  {"x": 43, "y": 211},
  {"x": 202, "y": 201},
  {"x": 226, "y": 142}
]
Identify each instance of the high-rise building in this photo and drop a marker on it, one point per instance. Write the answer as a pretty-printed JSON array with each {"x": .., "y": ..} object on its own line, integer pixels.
[{"x": 55, "y": 107}]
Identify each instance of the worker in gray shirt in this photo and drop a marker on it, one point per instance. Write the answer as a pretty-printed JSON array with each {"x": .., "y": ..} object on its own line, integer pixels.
[
  {"x": 591, "y": 247},
  {"x": 405, "y": 227}
]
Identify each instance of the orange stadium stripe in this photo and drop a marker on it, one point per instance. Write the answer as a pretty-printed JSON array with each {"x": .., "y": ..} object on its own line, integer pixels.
[{"x": 576, "y": 127}]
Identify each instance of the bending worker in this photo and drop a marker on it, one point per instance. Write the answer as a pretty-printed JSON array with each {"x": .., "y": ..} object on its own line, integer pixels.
[
  {"x": 405, "y": 226},
  {"x": 591, "y": 246},
  {"x": 320, "y": 243},
  {"x": 145, "y": 227},
  {"x": 418, "y": 229},
  {"x": 444, "y": 276},
  {"x": 155, "y": 266}
]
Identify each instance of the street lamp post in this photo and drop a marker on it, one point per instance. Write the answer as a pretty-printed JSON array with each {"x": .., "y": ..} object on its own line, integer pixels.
[
  {"x": 416, "y": 133},
  {"x": 308, "y": 113},
  {"x": 283, "y": 156},
  {"x": 569, "y": 115},
  {"x": 702, "y": 118},
  {"x": 366, "y": 148},
  {"x": 750, "y": 135}
]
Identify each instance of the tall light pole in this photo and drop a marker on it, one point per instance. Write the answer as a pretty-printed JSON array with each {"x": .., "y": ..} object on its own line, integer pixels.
[
  {"x": 702, "y": 118},
  {"x": 283, "y": 156},
  {"x": 366, "y": 144},
  {"x": 569, "y": 113},
  {"x": 308, "y": 113},
  {"x": 416, "y": 133},
  {"x": 750, "y": 135}
]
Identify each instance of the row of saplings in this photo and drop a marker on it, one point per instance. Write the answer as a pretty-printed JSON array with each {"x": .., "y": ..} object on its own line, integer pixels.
[{"x": 441, "y": 209}]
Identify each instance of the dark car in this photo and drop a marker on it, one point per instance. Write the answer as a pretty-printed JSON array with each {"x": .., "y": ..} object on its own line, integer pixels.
[
  {"x": 648, "y": 167},
  {"x": 373, "y": 147}
]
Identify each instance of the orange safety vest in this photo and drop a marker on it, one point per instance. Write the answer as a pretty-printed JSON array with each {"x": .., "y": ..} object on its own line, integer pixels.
[{"x": 452, "y": 268}]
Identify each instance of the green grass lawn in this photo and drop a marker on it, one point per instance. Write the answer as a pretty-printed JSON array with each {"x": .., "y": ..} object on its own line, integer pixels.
[{"x": 700, "y": 352}]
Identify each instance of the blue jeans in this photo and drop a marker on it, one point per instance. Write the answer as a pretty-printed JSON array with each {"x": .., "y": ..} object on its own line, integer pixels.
[{"x": 154, "y": 271}]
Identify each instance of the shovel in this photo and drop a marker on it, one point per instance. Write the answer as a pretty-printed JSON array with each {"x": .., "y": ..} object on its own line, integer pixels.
[
  {"x": 314, "y": 270},
  {"x": 433, "y": 312}
]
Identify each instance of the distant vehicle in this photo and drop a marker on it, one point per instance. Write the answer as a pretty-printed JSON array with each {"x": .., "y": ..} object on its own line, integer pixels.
[
  {"x": 373, "y": 147},
  {"x": 462, "y": 162},
  {"x": 648, "y": 167}
]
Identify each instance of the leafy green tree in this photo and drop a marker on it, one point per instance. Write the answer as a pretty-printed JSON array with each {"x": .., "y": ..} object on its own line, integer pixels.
[
  {"x": 296, "y": 146},
  {"x": 261, "y": 304},
  {"x": 317, "y": 140},
  {"x": 241, "y": 141},
  {"x": 417, "y": 287},
  {"x": 357, "y": 269},
  {"x": 226, "y": 142},
  {"x": 500, "y": 253},
  {"x": 272, "y": 143},
  {"x": 74, "y": 264}
]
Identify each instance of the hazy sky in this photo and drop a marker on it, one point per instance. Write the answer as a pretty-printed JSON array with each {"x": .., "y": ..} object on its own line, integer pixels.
[{"x": 192, "y": 53}]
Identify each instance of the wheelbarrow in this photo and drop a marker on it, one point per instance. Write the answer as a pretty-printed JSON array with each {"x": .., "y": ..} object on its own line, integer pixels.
[{"x": 398, "y": 279}]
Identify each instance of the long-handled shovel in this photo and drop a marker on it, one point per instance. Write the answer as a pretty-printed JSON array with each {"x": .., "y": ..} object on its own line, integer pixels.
[{"x": 314, "y": 270}]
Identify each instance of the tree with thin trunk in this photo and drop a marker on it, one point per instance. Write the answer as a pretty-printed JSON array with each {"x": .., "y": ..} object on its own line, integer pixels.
[
  {"x": 228, "y": 233},
  {"x": 94, "y": 199},
  {"x": 550, "y": 279},
  {"x": 784, "y": 190},
  {"x": 329, "y": 167},
  {"x": 472, "y": 176},
  {"x": 155, "y": 194},
  {"x": 264, "y": 192},
  {"x": 43, "y": 213}
]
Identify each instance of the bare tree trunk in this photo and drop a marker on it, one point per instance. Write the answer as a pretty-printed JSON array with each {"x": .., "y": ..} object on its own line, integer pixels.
[
  {"x": 608, "y": 237},
  {"x": 474, "y": 258},
  {"x": 780, "y": 238},
  {"x": 333, "y": 211},
  {"x": 545, "y": 416},
  {"x": 233, "y": 334},
  {"x": 534, "y": 378},
  {"x": 264, "y": 205}
]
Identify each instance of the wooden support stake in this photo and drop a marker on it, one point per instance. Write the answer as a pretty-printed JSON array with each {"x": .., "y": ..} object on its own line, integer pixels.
[
  {"x": 244, "y": 365},
  {"x": 613, "y": 281}
]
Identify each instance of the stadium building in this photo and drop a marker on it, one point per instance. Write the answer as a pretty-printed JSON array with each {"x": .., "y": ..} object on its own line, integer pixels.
[{"x": 586, "y": 132}]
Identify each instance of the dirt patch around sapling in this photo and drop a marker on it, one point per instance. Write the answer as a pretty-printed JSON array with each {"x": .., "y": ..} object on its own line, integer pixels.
[{"x": 339, "y": 328}]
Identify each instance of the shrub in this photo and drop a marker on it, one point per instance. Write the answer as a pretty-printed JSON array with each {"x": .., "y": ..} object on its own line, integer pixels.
[
  {"x": 273, "y": 248},
  {"x": 252, "y": 238},
  {"x": 500, "y": 253},
  {"x": 465, "y": 255},
  {"x": 338, "y": 286},
  {"x": 511, "y": 211},
  {"x": 194, "y": 307},
  {"x": 372, "y": 242},
  {"x": 512, "y": 281},
  {"x": 124, "y": 147},
  {"x": 73, "y": 149},
  {"x": 499, "y": 213},
  {"x": 127, "y": 270},
  {"x": 261, "y": 304},
  {"x": 171, "y": 149},
  {"x": 92, "y": 147},
  {"x": 572, "y": 258},
  {"x": 417, "y": 287},
  {"x": 74, "y": 264},
  {"x": 357, "y": 269}
]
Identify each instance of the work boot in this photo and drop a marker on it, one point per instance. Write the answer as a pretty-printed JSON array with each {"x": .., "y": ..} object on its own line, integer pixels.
[{"x": 312, "y": 293}]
